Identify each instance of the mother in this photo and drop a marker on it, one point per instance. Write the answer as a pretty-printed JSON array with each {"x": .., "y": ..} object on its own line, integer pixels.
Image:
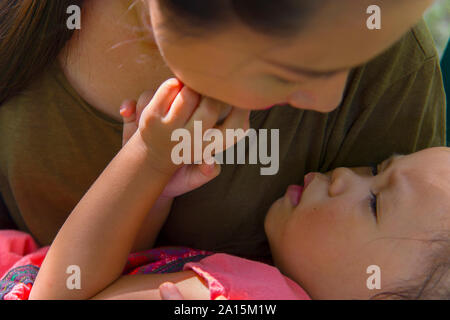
[{"x": 359, "y": 95}]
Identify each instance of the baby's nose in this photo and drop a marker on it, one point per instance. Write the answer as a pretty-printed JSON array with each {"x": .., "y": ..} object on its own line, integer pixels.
[{"x": 339, "y": 181}]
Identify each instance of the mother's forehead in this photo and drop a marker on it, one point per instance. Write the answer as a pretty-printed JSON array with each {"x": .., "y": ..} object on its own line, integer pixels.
[{"x": 339, "y": 37}]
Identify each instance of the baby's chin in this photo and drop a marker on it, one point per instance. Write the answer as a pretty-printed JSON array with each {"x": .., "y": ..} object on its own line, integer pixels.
[{"x": 269, "y": 220}]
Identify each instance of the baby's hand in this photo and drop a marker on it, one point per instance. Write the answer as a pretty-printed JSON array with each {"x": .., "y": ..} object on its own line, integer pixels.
[
  {"x": 176, "y": 106},
  {"x": 185, "y": 179}
]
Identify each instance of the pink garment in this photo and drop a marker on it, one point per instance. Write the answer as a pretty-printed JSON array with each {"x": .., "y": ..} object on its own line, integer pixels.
[
  {"x": 232, "y": 277},
  {"x": 18, "y": 249},
  {"x": 236, "y": 278}
]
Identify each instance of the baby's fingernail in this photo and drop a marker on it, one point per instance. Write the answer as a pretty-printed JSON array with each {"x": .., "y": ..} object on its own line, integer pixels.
[
  {"x": 125, "y": 111},
  {"x": 210, "y": 168}
]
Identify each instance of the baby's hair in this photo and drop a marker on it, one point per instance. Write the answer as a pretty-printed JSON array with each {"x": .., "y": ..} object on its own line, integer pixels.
[{"x": 434, "y": 284}]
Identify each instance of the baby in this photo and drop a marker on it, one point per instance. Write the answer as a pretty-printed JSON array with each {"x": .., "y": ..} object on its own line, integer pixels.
[
  {"x": 395, "y": 216},
  {"x": 334, "y": 235}
]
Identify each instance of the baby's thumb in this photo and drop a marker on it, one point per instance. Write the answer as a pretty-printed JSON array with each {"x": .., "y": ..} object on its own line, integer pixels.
[
  {"x": 128, "y": 113},
  {"x": 205, "y": 172}
]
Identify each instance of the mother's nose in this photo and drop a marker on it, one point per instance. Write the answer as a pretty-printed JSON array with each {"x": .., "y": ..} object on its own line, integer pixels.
[{"x": 340, "y": 181}]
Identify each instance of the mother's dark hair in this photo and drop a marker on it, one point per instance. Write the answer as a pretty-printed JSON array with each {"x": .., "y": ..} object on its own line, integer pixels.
[
  {"x": 280, "y": 18},
  {"x": 32, "y": 33}
]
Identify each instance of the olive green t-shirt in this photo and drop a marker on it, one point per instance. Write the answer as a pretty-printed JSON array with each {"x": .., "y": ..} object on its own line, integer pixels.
[{"x": 53, "y": 146}]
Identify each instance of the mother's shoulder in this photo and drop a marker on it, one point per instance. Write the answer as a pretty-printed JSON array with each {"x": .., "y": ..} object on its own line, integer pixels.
[{"x": 407, "y": 56}]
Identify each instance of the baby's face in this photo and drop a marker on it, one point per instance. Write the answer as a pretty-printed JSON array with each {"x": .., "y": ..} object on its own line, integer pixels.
[{"x": 338, "y": 229}]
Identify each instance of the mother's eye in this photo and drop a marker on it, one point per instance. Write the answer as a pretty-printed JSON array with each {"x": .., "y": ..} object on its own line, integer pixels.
[
  {"x": 283, "y": 81},
  {"x": 373, "y": 205},
  {"x": 373, "y": 197}
]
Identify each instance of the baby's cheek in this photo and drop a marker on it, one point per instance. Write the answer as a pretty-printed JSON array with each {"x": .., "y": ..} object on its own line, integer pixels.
[
  {"x": 270, "y": 221},
  {"x": 314, "y": 230}
]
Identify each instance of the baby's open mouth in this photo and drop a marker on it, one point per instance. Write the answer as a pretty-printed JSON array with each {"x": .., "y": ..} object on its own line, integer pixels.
[{"x": 294, "y": 193}]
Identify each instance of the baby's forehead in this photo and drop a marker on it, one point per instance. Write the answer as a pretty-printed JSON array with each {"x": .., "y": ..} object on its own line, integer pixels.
[
  {"x": 437, "y": 154},
  {"x": 420, "y": 196},
  {"x": 429, "y": 166}
]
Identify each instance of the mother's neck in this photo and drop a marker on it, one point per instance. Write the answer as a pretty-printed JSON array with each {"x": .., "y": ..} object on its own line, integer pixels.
[{"x": 113, "y": 57}]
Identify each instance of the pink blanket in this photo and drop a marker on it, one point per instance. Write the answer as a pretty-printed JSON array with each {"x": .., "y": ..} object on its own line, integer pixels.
[{"x": 18, "y": 249}]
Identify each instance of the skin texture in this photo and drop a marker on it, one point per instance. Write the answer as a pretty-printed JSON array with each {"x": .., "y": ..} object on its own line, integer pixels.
[
  {"x": 327, "y": 240},
  {"x": 126, "y": 51},
  {"x": 116, "y": 57},
  {"x": 125, "y": 208},
  {"x": 324, "y": 236},
  {"x": 308, "y": 230}
]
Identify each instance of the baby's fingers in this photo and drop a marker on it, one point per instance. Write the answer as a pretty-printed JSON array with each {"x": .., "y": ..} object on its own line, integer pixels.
[
  {"x": 128, "y": 113},
  {"x": 159, "y": 103}
]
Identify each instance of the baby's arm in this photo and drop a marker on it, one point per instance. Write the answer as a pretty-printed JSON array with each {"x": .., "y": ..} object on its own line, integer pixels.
[
  {"x": 100, "y": 232},
  {"x": 146, "y": 237},
  {"x": 133, "y": 190},
  {"x": 186, "y": 179}
]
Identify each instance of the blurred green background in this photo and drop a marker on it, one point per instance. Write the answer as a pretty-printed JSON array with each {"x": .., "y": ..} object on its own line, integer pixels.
[{"x": 438, "y": 19}]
